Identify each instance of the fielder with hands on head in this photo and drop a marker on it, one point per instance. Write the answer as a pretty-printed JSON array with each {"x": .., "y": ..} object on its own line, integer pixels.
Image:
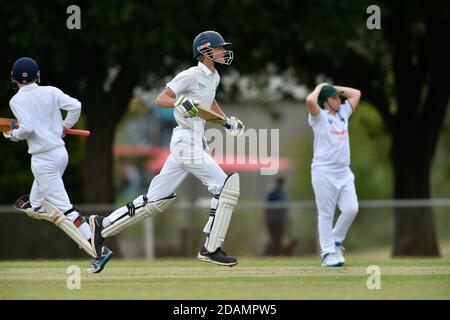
[
  {"x": 194, "y": 86},
  {"x": 332, "y": 180},
  {"x": 37, "y": 109}
]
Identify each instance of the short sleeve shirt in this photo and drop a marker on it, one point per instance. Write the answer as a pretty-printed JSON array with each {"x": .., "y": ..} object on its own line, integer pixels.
[
  {"x": 331, "y": 139},
  {"x": 198, "y": 84}
]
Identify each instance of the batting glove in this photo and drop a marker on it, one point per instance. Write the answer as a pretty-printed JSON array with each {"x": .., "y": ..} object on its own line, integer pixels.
[
  {"x": 234, "y": 127},
  {"x": 186, "y": 107},
  {"x": 8, "y": 135}
]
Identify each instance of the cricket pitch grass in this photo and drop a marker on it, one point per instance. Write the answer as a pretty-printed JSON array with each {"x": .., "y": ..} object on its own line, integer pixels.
[{"x": 252, "y": 279}]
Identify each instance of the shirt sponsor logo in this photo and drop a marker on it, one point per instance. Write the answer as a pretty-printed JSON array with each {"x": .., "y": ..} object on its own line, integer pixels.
[{"x": 340, "y": 134}]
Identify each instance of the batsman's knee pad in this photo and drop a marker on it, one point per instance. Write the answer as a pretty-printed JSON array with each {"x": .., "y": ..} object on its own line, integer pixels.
[
  {"x": 55, "y": 215},
  {"x": 228, "y": 199},
  {"x": 135, "y": 211}
]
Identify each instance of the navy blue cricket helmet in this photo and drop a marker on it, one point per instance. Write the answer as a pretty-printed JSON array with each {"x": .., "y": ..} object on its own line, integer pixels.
[
  {"x": 25, "y": 70},
  {"x": 206, "y": 41}
]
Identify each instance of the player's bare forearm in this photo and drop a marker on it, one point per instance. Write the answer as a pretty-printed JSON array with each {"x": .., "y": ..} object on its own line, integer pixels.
[
  {"x": 216, "y": 108},
  {"x": 352, "y": 95},
  {"x": 311, "y": 100},
  {"x": 348, "y": 92},
  {"x": 166, "y": 99}
]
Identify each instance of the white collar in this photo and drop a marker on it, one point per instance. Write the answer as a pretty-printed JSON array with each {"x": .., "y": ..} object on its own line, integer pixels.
[
  {"x": 205, "y": 68},
  {"x": 28, "y": 87}
]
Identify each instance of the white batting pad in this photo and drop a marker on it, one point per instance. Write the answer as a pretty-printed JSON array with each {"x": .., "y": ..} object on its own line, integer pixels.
[
  {"x": 53, "y": 214},
  {"x": 227, "y": 201},
  {"x": 150, "y": 209}
]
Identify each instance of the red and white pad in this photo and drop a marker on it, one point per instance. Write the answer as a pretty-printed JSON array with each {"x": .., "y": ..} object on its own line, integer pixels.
[{"x": 54, "y": 215}]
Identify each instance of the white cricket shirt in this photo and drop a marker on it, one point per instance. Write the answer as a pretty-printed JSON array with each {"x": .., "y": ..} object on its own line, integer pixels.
[
  {"x": 331, "y": 139},
  {"x": 198, "y": 84},
  {"x": 37, "y": 108}
]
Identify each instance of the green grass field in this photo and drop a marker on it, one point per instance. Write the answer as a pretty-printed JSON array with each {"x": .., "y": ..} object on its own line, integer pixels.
[{"x": 252, "y": 278}]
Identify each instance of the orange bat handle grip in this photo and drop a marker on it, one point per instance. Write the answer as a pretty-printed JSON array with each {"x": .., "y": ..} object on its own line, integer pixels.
[{"x": 77, "y": 132}]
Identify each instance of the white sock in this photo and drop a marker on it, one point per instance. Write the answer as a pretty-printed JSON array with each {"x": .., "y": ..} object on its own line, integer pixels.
[
  {"x": 85, "y": 230},
  {"x": 84, "y": 227}
]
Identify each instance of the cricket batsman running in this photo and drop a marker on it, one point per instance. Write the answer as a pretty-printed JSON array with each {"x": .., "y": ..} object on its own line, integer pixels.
[
  {"x": 193, "y": 87},
  {"x": 333, "y": 181},
  {"x": 37, "y": 109}
]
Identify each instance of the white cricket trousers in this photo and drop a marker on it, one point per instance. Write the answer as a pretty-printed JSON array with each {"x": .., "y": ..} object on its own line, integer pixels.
[
  {"x": 187, "y": 155},
  {"x": 48, "y": 169},
  {"x": 331, "y": 190}
]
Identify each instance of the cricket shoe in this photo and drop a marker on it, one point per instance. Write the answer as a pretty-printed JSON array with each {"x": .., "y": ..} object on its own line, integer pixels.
[
  {"x": 23, "y": 203},
  {"x": 99, "y": 264},
  {"x": 218, "y": 257},
  {"x": 95, "y": 222},
  {"x": 330, "y": 260},
  {"x": 340, "y": 252}
]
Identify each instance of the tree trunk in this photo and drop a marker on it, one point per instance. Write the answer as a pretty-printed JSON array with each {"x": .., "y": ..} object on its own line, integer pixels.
[
  {"x": 105, "y": 111},
  {"x": 420, "y": 65},
  {"x": 99, "y": 184},
  {"x": 414, "y": 230}
]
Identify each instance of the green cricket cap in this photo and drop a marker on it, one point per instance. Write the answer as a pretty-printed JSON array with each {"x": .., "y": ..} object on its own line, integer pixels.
[{"x": 327, "y": 91}]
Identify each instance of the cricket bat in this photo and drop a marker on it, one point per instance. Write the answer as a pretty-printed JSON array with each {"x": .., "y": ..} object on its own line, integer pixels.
[
  {"x": 210, "y": 115},
  {"x": 7, "y": 124}
]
